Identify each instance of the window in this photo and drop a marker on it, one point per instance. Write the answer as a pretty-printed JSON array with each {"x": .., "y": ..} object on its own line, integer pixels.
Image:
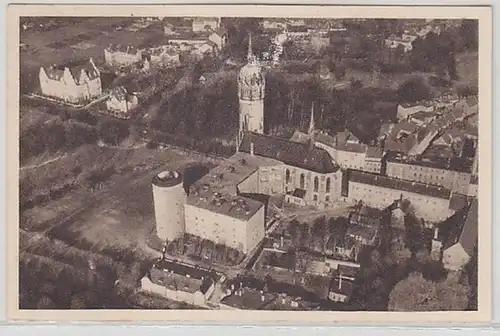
[
  {"x": 328, "y": 185},
  {"x": 315, "y": 198},
  {"x": 287, "y": 176},
  {"x": 316, "y": 184},
  {"x": 302, "y": 181},
  {"x": 327, "y": 199}
]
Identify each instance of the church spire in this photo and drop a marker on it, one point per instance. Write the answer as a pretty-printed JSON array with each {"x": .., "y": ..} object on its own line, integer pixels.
[
  {"x": 311, "y": 122},
  {"x": 250, "y": 56}
]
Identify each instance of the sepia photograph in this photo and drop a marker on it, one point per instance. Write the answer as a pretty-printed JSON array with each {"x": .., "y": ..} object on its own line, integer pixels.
[{"x": 296, "y": 164}]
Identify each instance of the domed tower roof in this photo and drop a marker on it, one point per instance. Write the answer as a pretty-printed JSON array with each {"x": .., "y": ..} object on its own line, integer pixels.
[{"x": 251, "y": 73}]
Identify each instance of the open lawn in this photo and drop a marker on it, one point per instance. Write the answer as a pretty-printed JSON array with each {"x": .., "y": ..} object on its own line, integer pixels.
[{"x": 120, "y": 216}]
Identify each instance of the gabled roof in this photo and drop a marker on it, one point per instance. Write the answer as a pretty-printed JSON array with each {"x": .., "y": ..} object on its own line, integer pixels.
[
  {"x": 291, "y": 153},
  {"x": 464, "y": 230},
  {"x": 77, "y": 69}
]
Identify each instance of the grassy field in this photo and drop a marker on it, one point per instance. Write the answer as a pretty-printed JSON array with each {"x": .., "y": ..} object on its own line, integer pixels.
[{"x": 118, "y": 217}]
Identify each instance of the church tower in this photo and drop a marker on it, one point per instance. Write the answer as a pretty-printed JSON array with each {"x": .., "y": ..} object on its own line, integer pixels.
[{"x": 251, "y": 83}]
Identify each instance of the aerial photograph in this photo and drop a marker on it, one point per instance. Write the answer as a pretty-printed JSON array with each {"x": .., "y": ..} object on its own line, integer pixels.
[{"x": 248, "y": 163}]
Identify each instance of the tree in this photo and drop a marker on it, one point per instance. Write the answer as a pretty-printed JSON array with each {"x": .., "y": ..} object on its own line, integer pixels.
[
  {"x": 469, "y": 34},
  {"x": 293, "y": 230},
  {"x": 320, "y": 231},
  {"x": 113, "y": 132},
  {"x": 45, "y": 302},
  {"x": 415, "y": 293},
  {"x": 413, "y": 90}
]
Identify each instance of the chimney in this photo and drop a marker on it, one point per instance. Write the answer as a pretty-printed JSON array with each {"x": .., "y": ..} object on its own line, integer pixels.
[
  {"x": 251, "y": 148},
  {"x": 262, "y": 298},
  {"x": 340, "y": 281},
  {"x": 281, "y": 241},
  {"x": 436, "y": 233}
]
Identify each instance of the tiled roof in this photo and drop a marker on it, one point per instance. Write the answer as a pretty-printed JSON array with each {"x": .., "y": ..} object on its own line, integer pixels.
[
  {"x": 403, "y": 185},
  {"x": 374, "y": 152},
  {"x": 458, "y": 202},
  {"x": 463, "y": 229},
  {"x": 291, "y": 153},
  {"x": 76, "y": 69}
]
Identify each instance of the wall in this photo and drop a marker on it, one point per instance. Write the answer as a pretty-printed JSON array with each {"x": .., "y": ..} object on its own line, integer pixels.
[
  {"x": 169, "y": 211},
  {"x": 250, "y": 185},
  {"x": 221, "y": 228},
  {"x": 454, "y": 180},
  {"x": 255, "y": 112},
  {"x": 321, "y": 193},
  {"x": 67, "y": 89},
  {"x": 271, "y": 180},
  {"x": 255, "y": 230},
  {"x": 426, "y": 207}
]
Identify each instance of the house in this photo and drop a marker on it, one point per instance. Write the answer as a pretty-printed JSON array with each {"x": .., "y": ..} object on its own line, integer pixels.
[
  {"x": 180, "y": 282},
  {"x": 121, "y": 103},
  {"x": 162, "y": 56},
  {"x": 394, "y": 42},
  {"x": 219, "y": 37},
  {"x": 202, "y": 24},
  {"x": 121, "y": 55},
  {"x": 341, "y": 289},
  {"x": 461, "y": 240},
  {"x": 296, "y": 197},
  {"x": 274, "y": 23},
  {"x": 74, "y": 83}
]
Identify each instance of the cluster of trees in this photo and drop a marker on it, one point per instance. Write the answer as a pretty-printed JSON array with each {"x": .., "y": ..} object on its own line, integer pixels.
[
  {"x": 316, "y": 236},
  {"x": 204, "y": 249},
  {"x": 200, "y": 112},
  {"x": 57, "y": 135},
  {"x": 54, "y": 136},
  {"x": 416, "y": 293}
]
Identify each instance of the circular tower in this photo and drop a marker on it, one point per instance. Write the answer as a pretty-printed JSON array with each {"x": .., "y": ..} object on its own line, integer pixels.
[
  {"x": 169, "y": 198},
  {"x": 251, "y": 84}
]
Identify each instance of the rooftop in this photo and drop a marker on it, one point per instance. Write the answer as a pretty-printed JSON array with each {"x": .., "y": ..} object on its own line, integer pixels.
[
  {"x": 342, "y": 286},
  {"x": 167, "y": 178},
  {"x": 463, "y": 230},
  {"x": 77, "y": 68},
  {"x": 217, "y": 191},
  {"x": 434, "y": 157},
  {"x": 291, "y": 153},
  {"x": 397, "y": 184},
  {"x": 181, "y": 277},
  {"x": 247, "y": 298}
]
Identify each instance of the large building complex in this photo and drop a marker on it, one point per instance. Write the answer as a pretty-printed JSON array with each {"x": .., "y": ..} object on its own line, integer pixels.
[
  {"x": 318, "y": 170},
  {"x": 74, "y": 83}
]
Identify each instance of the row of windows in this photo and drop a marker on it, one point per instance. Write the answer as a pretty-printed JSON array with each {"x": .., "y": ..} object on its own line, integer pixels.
[
  {"x": 302, "y": 181},
  {"x": 315, "y": 198}
]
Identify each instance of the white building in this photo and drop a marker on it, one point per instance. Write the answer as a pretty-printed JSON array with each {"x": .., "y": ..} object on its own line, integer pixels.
[
  {"x": 75, "y": 83},
  {"x": 251, "y": 85},
  {"x": 122, "y": 55},
  {"x": 180, "y": 282},
  {"x": 201, "y": 24},
  {"x": 121, "y": 103}
]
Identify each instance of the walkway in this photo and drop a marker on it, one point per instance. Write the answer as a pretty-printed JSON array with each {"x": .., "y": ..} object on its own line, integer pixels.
[{"x": 44, "y": 162}]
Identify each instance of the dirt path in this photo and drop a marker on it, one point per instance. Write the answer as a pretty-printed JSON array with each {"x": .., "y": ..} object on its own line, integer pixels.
[{"x": 43, "y": 163}]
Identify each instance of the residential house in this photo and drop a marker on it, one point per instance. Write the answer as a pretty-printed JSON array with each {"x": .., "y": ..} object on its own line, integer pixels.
[
  {"x": 180, "y": 282},
  {"x": 341, "y": 289},
  {"x": 74, "y": 83},
  {"x": 121, "y": 103},
  {"x": 457, "y": 238},
  {"x": 219, "y": 37},
  {"x": 203, "y": 24},
  {"x": 274, "y": 23},
  {"x": 122, "y": 55}
]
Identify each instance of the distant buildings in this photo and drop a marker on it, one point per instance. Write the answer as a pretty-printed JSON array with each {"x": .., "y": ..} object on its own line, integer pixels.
[
  {"x": 161, "y": 55},
  {"x": 74, "y": 83},
  {"x": 201, "y": 24}
]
